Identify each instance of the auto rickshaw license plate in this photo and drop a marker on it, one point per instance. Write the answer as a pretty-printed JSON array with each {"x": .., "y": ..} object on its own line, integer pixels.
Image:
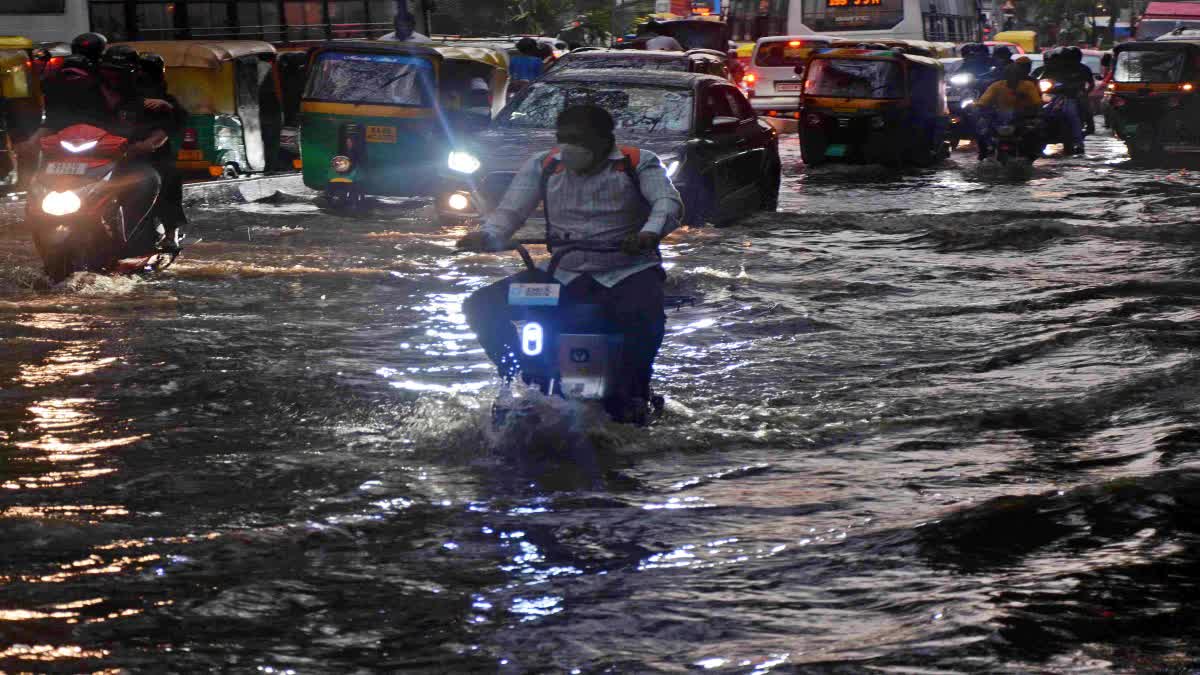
[
  {"x": 191, "y": 155},
  {"x": 381, "y": 134},
  {"x": 835, "y": 151},
  {"x": 66, "y": 168}
]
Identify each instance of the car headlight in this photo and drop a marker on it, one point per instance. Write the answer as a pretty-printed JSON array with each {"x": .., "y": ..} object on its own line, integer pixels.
[
  {"x": 673, "y": 168},
  {"x": 61, "y": 203},
  {"x": 961, "y": 79},
  {"x": 463, "y": 162},
  {"x": 340, "y": 163},
  {"x": 1045, "y": 85}
]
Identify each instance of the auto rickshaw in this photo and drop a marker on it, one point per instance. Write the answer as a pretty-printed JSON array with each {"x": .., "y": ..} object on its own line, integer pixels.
[
  {"x": 1152, "y": 98},
  {"x": 378, "y": 118},
  {"x": 874, "y": 106},
  {"x": 231, "y": 94},
  {"x": 20, "y": 105}
]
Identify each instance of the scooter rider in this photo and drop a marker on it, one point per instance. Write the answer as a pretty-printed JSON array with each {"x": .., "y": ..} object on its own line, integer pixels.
[
  {"x": 1004, "y": 102},
  {"x": 1064, "y": 67},
  {"x": 165, "y": 112},
  {"x": 601, "y": 193}
]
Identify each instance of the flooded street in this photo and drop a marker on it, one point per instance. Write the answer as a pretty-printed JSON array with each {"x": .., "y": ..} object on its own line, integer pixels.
[{"x": 937, "y": 421}]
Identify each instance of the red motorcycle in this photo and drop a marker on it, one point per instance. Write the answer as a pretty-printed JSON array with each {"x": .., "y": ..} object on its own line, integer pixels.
[{"x": 91, "y": 209}]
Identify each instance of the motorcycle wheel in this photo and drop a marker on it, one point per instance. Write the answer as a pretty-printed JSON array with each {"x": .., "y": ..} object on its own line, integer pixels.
[{"x": 56, "y": 260}]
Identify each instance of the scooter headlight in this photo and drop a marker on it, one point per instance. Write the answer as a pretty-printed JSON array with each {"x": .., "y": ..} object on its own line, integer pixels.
[
  {"x": 961, "y": 79},
  {"x": 1045, "y": 85},
  {"x": 341, "y": 164},
  {"x": 463, "y": 162},
  {"x": 61, "y": 203},
  {"x": 532, "y": 338},
  {"x": 78, "y": 148}
]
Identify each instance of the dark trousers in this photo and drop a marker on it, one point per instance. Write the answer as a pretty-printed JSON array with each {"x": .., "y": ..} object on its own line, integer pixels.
[
  {"x": 634, "y": 306},
  {"x": 170, "y": 197}
]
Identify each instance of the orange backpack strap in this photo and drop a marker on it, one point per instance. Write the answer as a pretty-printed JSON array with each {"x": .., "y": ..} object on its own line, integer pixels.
[{"x": 631, "y": 159}]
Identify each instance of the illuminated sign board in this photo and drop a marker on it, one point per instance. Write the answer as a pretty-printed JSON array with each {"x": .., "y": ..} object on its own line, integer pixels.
[{"x": 831, "y": 16}]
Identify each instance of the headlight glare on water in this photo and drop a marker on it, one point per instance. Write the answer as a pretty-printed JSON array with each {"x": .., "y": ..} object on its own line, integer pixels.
[
  {"x": 463, "y": 162},
  {"x": 61, "y": 203}
]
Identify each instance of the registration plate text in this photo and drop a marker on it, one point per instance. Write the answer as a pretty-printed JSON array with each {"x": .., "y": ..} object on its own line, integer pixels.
[
  {"x": 66, "y": 168},
  {"x": 789, "y": 86},
  {"x": 381, "y": 134},
  {"x": 534, "y": 294}
]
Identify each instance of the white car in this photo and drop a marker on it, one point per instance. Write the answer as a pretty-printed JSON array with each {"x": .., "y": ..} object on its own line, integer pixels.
[{"x": 774, "y": 78}]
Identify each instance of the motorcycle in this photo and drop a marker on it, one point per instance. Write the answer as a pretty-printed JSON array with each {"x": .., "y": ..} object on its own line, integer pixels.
[
  {"x": 572, "y": 351},
  {"x": 960, "y": 98},
  {"x": 1058, "y": 128},
  {"x": 91, "y": 210}
]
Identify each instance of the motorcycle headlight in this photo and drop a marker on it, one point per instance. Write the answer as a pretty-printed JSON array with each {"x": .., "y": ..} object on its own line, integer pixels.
[
  {"x": 1045, "y": 85},
  {"x": 340, "y": 164},
  {"x": 672, "y": 168},
  {"x": 61, "y": 203},
  {"x": 463, "y": 162},
  {"x": 961, "y": 79}
]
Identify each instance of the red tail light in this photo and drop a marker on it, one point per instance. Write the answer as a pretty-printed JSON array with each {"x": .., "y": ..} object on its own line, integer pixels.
[{"x": 189, "y": 139}]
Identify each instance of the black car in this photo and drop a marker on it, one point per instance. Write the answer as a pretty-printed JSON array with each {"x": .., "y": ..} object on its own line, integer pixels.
[
  {"x": 722, "y": 158},
  {"x": 695, "y": 61}
]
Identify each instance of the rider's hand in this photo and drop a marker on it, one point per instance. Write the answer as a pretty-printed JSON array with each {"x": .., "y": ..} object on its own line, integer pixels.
[
  {"x": 477, "y": 241},
  {"x": 639, "y": 242},
  {"x": 156, "y": 105}
]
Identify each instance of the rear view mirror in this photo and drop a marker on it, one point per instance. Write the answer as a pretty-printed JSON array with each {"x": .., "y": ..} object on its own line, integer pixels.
[{"x": 725, "y": 122}]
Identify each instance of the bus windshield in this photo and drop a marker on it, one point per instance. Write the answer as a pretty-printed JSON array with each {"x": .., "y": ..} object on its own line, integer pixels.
[
  {"x": 846, "y": 78},
  {"x": 1150, "y": 66},
  {"x": 387, "y": 79}
]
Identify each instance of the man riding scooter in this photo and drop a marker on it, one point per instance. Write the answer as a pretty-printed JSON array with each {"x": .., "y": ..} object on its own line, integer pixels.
[
  {"x": 1068, "y": 81},
  {"x": 600, "y": 193}
]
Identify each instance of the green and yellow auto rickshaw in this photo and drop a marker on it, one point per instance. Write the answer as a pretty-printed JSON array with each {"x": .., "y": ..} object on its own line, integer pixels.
[
  {"x": 378, "y": 118},
  {"x": 20, "y": 106},
  {"x": 231, "y": 93},
  {"x": 873, "y": 106},
  {"x": 1153, "y": 100}
]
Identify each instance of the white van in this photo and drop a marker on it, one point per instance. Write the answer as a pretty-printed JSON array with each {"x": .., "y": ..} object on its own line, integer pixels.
[{"x": 771, "y": 81}]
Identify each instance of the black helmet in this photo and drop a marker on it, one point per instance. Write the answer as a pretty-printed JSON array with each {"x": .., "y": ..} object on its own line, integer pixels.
[
  {"x": 1073, "y": 55},
  {"x": 90, "y": 45},
  {"x": 121, "y": 56},
  {"x": 153, "y": 66},
  {"x": 527, "y": 45},
  {"x": 1002, "y": 53},
  {"x": 971, "y": 49}
]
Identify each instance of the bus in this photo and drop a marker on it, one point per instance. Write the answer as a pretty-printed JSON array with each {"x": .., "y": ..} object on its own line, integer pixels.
[{"x": 932, "y": 20}]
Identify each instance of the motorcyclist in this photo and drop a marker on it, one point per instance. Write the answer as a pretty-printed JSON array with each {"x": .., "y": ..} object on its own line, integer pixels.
[
  {"x": 1072, "y": 81},
  {"x": 602, "y": 193},
  {"x": 1001, "y": 59},
  {"x": 1005, "y": 102},
  {"x": 74, "y": 92},
  {"x": 1085, "y": 80},
  {"x": 163, "y": 111}
]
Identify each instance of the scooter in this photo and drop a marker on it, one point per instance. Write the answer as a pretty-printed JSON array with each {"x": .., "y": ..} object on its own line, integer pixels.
[
  {"x": 572, "y": 350},
  {"x": 91, "y": 210},
  {"x": 1018, "y": 142}
]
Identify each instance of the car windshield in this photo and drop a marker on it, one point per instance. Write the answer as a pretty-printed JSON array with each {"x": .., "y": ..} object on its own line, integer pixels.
[
  {"x": 389, "y": 79},
  {"x": 1150, "y": 29},
  {"x": 1150, "y": 66},
  {"x": 633, "y": 107},
  {"x": 846, "y": 78},
  {"x": 784, "y": 54},
  {"x": 622, "y": 62}
]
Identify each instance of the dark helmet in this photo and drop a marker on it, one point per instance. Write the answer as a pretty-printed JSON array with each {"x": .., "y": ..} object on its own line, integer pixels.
[
  {"x": 1073, "y": 55},
  {"x": 972, "y": 50},
  {"x": 90, "y": 45},
  {"x": 153, "y": 66},
  {"x": 1002, "y": 53},
  {"x": 121, "y": 56},
  {"x": 527, "y": 45}
]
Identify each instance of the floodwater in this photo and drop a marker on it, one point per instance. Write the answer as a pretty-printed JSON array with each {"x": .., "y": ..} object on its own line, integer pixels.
[{"x": 937, "y": 421}]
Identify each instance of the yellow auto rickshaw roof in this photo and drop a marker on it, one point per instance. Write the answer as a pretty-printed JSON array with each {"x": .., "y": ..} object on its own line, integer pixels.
[
  {"x": 15, "y": 42},
  {"x": 492, "y": 56},
  {"x": 201, "y": 53}
]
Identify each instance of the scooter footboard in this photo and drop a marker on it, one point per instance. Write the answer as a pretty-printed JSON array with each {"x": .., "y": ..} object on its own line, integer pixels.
[{"x": 589, "y": 364}]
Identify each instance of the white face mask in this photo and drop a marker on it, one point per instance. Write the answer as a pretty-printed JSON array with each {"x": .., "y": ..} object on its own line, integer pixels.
[{"x": 577, "y": 157}]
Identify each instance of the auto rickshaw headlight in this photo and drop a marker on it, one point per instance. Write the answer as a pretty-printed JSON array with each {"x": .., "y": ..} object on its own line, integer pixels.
[
  {"x": 463, "y": 162},
  {"x": 340, "y": 163}
]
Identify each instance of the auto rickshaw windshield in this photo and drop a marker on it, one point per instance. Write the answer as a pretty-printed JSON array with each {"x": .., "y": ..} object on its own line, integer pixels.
[
  {"x": 851, "y": 78},
  {"x": 634, "y": 108},
  {"x": 786, "y": 53},
  {"x": 380, "y": 79},
  {"x": 1150, "y": 66}
]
